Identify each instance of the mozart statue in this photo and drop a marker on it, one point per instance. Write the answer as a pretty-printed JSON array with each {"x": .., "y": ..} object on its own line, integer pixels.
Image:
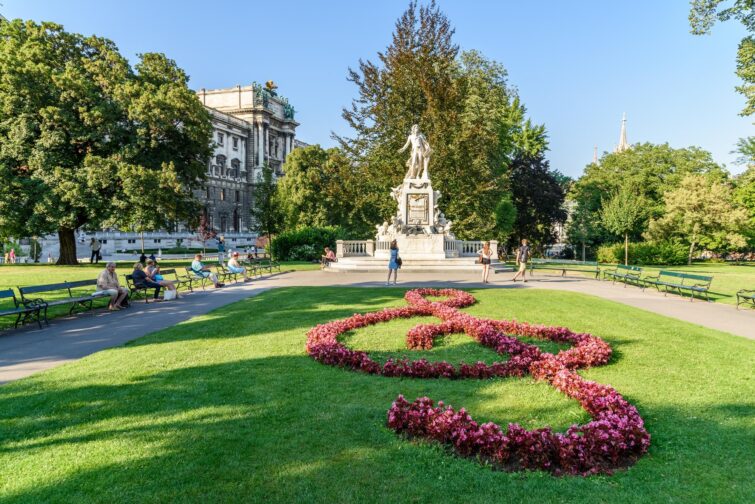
[{"x": 420, "y": 156}]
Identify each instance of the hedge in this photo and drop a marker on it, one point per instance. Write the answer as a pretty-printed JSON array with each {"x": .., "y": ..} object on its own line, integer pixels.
[
  {"x": 645, "y": 253},
  {"x": 305, "y": 244}
]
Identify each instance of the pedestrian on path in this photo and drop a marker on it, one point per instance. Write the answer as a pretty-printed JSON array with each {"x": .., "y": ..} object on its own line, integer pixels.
[
  {"x": 522, "y": 258},
  {"x": 393, "y": 264},
  {"x": 221, "y": 250},
  {"x": 485, "y": 253},
  {"x": 95, "y": 246}
]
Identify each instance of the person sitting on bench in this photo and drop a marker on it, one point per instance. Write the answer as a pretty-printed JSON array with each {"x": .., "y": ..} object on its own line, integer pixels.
[
  {"x": 141, "y": 280},
  {"x": 107, "y": 283},
  {"x": 153, "y": 273},
  {"x": 236, "y": 268},
  {"x": 327, "y": 258},
  {"x": 203, "y": 271}
]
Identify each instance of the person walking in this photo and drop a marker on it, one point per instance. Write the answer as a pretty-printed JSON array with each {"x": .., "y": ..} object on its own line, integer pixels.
[
  {"x": 12, "y": 256},
  {"x": 522, "y": 258},
  {"x": 485, "y": 254},
  {"x": 393, "y": 264},
  {"x": 221, "y": 251},
  {"x": 95, "y": 246}
]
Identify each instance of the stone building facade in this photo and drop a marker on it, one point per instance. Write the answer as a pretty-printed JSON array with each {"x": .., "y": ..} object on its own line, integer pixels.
[{"x": 252, "y": 127}]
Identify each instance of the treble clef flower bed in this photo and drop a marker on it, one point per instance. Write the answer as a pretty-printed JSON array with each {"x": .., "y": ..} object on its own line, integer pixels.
[{"x": 615, "y": 438}]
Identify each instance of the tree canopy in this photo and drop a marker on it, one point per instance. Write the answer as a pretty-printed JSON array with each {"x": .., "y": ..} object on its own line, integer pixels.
[{"x": 86, "y": 140}]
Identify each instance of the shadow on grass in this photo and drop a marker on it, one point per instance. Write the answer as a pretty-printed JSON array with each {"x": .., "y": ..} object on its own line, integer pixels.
[{"x": 286, "y": 429}]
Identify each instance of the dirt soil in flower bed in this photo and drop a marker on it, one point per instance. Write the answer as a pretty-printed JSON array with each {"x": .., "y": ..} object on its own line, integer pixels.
[{"x": 229, "y": 407}]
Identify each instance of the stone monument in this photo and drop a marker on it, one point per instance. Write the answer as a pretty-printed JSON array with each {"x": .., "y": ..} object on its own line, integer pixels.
[{"x": 419, "y": 227}]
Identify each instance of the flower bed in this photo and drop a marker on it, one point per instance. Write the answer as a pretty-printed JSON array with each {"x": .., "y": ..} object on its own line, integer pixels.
[{"x": 615, "y": 438}]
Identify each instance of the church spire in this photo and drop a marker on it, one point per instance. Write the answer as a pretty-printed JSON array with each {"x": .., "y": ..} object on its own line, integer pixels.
[{"x": 623, "y": 144}]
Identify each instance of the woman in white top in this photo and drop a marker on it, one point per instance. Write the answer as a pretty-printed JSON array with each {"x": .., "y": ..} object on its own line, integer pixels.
[{"x": 485, "y": 254}]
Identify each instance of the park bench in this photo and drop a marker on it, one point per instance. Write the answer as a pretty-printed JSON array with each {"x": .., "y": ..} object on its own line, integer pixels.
[
  {"x": 267, "y": 264},
  {"x": 138, "y": 291},
  {"x": 178, "y": 281},
  {"x": 224, "y": 274},
  {"x": 564, "y": 265},
  {"x": 674, "y": 280},
  {"x": 626, "y": 274},
  {"x": 745, "y": 296},
  {"x": 65, "y": 295},
  {"x": 23, "y": 312},
  {"x": 193, "y": 277}
]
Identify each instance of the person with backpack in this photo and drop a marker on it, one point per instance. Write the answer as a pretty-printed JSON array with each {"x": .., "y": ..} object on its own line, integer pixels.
[{"x": 522, "y": 258}]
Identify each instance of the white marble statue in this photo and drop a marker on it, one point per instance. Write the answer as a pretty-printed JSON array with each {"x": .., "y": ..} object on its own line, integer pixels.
[{"x": 420, "y": 156}]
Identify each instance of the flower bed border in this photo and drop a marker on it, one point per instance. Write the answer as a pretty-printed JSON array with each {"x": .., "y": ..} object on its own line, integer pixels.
[{"x": 615, "y": 438}]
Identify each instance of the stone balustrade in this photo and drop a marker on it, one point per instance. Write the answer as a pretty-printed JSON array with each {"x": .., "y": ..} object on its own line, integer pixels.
[{"x": 453, "y": 248}]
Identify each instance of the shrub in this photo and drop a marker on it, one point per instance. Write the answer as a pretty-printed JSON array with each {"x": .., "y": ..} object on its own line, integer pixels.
[
  {"x": 645, "y": 253},
  {"x": 305, "y": 244}
]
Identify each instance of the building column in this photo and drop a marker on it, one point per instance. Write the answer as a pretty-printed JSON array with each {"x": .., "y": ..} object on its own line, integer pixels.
[
  {"x": 265, "y": 143},
  {"x": 260, "y": 146}
]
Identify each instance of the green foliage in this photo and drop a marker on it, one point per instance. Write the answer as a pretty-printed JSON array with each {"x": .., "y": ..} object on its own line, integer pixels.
[
  {"x": 472, "y": 119},
  {"x": 744, "y": 197},
  {"x": 538, "y": 197},
  {"x": 705, "y": 13},
  {"x": 505, "y": 218},
  {"x": 266, "y": 213},
  {"x": 624, "y": 212},
  {"x": 701, "y": 212},
  {"x": 643, "y": 253},
  {"x": 305, "y": 244},
  {"x": 85, "y": 140}
]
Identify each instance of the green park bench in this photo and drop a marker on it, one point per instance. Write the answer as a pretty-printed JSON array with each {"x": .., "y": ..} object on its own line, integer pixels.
[
  {"x": 564, "y": 265},
  {"x": 178, "y": 281},
  {"x": 224, "y": 274},
  {"x": 267, "y": 264},
  {"x": 21, "y": 311},
  {"x": 138, "y": 291},
  {"x": 65, "y": 293},
  {"x": 679, "y": 282},
  {"x": 193, "y": 277},
  {"x": 745, "y": 296},
  {"x": 625, "y": 274}
]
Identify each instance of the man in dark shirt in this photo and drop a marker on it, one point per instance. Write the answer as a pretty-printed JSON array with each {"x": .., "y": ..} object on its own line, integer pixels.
[{"x": 522, "y": 258}]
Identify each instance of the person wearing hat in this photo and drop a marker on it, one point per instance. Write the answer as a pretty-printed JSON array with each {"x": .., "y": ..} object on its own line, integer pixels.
[{"x": 235, "y": 267}]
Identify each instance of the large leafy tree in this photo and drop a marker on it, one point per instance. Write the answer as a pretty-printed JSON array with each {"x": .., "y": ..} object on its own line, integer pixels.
[
  {"x": 705, "y": 13},
  {"x": 85, "y": 140},
  {"x": 539, "y": 200},
  {"x": 701, "y": 212},
  {"x": 650, "y": 169},
  {"x": 623, "y": 214},
  {"x": 266, "y": 212},
  {"x": 744, "y": 197},
  {"x": 473, "y": 120}
]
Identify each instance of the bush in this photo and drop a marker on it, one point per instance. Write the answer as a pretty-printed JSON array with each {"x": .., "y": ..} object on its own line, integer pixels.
[
  {"x": 305, "y": 244},
  {"x": 645, "y": 253}
]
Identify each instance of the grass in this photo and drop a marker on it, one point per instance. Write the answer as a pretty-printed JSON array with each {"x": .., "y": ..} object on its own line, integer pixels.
[
  {"x": 16, "y": 275},
  {"x": 227, "y": 407},
  {"x": 727, "y": 278}
]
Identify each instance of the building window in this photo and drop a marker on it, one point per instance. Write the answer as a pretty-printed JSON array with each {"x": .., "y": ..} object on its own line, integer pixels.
[
  {"x": 130, "y": 241},
  {"x": 235, "y": 168},
  {"x": 220, "y": 138},
  {"x": 157, "y": 240},
  {"x": 222, "y": 195},
  {"x": 103, "y": 241},
  {"x": 235, "y": 143},
  {"x": 220, "y": 160},
  {"x": 238, "y": 196}
]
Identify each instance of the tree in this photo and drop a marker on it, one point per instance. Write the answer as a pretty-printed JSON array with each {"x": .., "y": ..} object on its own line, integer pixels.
[
  {"x": 623, "y": 214},
  {"x": 266, "y": 211},
  {"x": 473, "y": 120},
  {"x": 746, "y": 151},
  {"x": 505, "y": 218},
  {"x": 700, "y": 212},
  {"x": 204, "y": 232},
  {"x": 85, "y": 140},
  {"x": 704, "y": 14},
  {"x": 744, "y": 197},
  {"x": 582, "y": 226},
  {"x": 538, "y": 198}
]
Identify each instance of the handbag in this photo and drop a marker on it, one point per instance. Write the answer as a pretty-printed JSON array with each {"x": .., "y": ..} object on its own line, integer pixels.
[
  {"x": 478, "y": 260},
  {"x": 169, "y": 295},
  {"x": 399, "y": 261}
]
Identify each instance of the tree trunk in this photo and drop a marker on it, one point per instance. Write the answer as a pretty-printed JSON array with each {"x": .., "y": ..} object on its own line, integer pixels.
[
  {"x": 67, "y": 246},
  {"x": 626, "y": 249},
  {"x": 583, "y": 251},
  {"x": 691, "y": 251}
]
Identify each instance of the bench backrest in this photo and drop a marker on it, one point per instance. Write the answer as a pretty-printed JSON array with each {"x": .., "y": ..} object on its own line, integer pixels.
[
  {"x": 636, "y": 269},
  {"x": 191, "y": 272},
  {"x": 82, "y": 283},
  {"x": 168, "y": 272},
  {"x": 34, "y": 289},
  {"x": 9, "y": 294},
  {"x": 687, "y": 276},
  {"x": 564, "y": 261}
]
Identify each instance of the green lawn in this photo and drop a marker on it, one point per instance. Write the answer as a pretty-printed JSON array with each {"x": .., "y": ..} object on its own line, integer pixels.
[
  {"x": 19, "y": 275},
  {"x": 227, "y": 407},
  {"x": 727, "y": 278}
]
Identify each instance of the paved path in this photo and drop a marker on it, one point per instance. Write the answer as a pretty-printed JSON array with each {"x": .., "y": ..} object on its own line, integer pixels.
[{"x": 29, "y": 350}]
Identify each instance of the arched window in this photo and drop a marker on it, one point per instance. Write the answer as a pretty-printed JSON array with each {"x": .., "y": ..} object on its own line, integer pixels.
[
  {"x": 236, "y": 221},
  {"x": 220, "y": 159},
  {"x": 235, "y": 168}
]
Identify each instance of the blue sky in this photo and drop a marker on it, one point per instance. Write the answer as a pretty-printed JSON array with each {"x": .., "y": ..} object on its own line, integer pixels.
[{"x": 578, "y": 65}]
